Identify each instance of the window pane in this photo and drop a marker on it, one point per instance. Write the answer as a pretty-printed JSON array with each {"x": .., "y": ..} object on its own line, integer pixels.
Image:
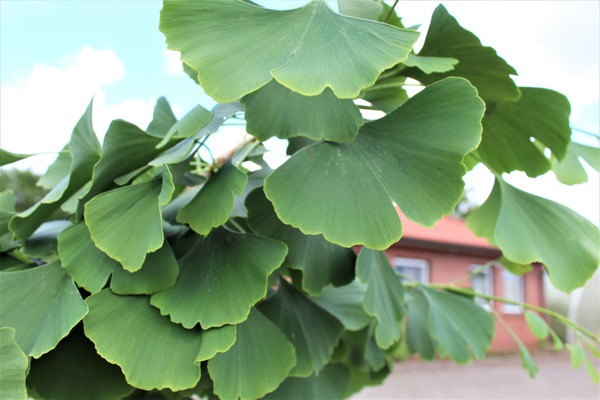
[
  {"x": 513, "y": 289},
  {"x": 413, "y": 268}
]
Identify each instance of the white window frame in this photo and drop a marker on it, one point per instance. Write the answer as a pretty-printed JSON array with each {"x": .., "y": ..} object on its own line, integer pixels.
[
  {"x": 488, "y": 283},
  {"x": 520, "y": 295},
  {"x": 405, "y": 262}
]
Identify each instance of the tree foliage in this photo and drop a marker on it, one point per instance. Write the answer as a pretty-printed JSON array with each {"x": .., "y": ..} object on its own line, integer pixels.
[{"x": 174, "y": 275}]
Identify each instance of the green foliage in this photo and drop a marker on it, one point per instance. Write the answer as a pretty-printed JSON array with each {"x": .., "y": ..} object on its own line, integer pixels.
[{"x": 171, "y": 276}]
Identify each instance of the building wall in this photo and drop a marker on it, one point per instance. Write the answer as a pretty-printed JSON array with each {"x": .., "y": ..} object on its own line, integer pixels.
[{"x": 446, "y": 266}]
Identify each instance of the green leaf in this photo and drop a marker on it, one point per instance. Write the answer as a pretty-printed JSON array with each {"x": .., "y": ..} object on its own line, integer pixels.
[
  {"x": 530, "y": 229},
  {"x": 578, "y": 357},
  {"x": 387, "y": 94},
  {"x": 236, "y": 277},
  {"x": 322, "y": 263},
  {"x": 352, "y": 57},
  {"x": 570, "y": 170},
  {"x": 345, "y": 191},
  {"x": 526, "y": 360},
  {"x": 418, "y": 336},
  {"x": 460, "y": 327},
  {"x": 128, "y": 332},
  {"x": 384, "y": 295},
  {"x": 57, "y": 171},
  {"x": 366, "y": 9},
  {"x": 537, "y": 326},
  {"x": 274, "y": 110},
  {"x": 73, "y": 370},
  {"x": 162, "y": 119},
  {"x": 13, "y": 368},
  {"x": 431, "y": 64},
  {"x": 213, "y": 204},
  {"x": 89, "y": 267},
  {"x": 217, "y": 340},
  {"x": 345, "y": 303},
  {"x": 189, "y": 125},
  {"x": 256, "y": 364},
  {"x": 42, "y": 304},
  {"x": 6, "y": 157},
  {"x": 7, "y": 210},
  {"x": 489, "y": 73},
  {"x": 515, "y": 268},
  {"x": 331, "y": 383},
  {"x": 507, "y": 131},
  {"x": 117, "y": 219},
  {"x": 84, "y": 151},
  {"x": 159, "y": 272},
  {"x": 313, "y": 331}
]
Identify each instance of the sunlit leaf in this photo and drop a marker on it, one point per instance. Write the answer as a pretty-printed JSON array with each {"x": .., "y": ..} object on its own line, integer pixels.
[
  {"x": 355, "y": 53},
  {"x": 570, "y": 170},
  {"x": 13, "y": 368},
  {"x": 73, "y": 370},
  {"x": 151, "y": 351},
  {"x": 367, "y": 9},
  {"x": 42, "y": 304},
  {"x": 313, "y": 331},
  {"x": 330, "y": 383},
  {"x": 507, "y": 131},
  {"x": 216, "y": 340},
  {"x": 274, "y": 110},
  {"x": 7, "y": 209},
  {"x": 578, "y": 357},
  {"x": 256, "y": 364},
  {"x": 321, "y": 262},
  {"x": 57, "y": 171},
  {"x": 489, "y": 73},
  {"x": 431, "y": 64},
  {"x": 515, "y": 268},
  {"x": 345, "y": 191},
  {"x": 384, "y": 296},
  {"x": 162, "y": 119},
  {"x": 6, "y": 157},
  {"x": 213, "y": 204},
  {"x": 217, "y": 287},
  {"x": 387, "y": 94},
  {"x": 537, "y": 326},
  {"x": 345, "y": 303},
  {"x": 526, "y": 360},
  {"x": 530, "y": 229}
]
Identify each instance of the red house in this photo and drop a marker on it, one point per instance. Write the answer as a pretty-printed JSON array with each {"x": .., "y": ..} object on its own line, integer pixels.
[{"x": 449, "y": 252}]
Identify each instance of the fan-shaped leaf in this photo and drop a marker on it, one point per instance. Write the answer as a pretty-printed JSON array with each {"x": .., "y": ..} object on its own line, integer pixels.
[
  {"x": 384, "y": 298},
  {"x": 570, "y": 170},
  {"x": 345, "y": 191},
  {"x": 42, "y": 304},
  {"x": 152, "y": 352},
  {"x": 256, "y": 364},
  {"x": 489, "y": 73},
  {"x": 345, "y": 303},
  {"x": 162, "y": 119},
  {"x": 330, "y": 383},
  {"x": 13, "y": 368},
  {"x": 418, "y": 336},
  {"x": 530, "y": 229},
  {"x": 431, "y": 64},
  {"x": 289, "y": 47},
  {"x": 217, "y": 340},
  {"x": 274, "y": 110},
  {"x": 217, "y": 287},
  {"x": 322, "y": 263},
  {"x": 73, "y": 370},
  {"x": 213, "y": 204},
  {"x": 6, "y": 157},
  {"x": 313, "y": 332}
]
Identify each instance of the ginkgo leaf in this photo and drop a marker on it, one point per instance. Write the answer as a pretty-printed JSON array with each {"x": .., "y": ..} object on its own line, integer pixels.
[
  {"x": 84, "y": 152},
  {"x": 507, "y": 131},
  {"x": 127, "y": 331},
  {"x": 42, "y": 304},
  {"x": 529, "y": 228},
  {"x": 330, "y": 383},
  {"x": 162, "y": 119},
  {"x": 189, "y": 125},
  {"x": 57, "y": 171},
  {"x": 256, "y": 364},
  {"x": 216, "y": 340},
  {"x": 367, "y": 9},
  {"x": 73, "y": 370},
  {"x": 290, "y": 48},
  {"x": 570, "y": 170},
  {"x": 346, "y": 191},
  {"x": 236, "y": 277},
  {"x": 418, "y": 337},
  {"x": 6, "y": 157},
  {"x": 213, "y": 204},
  {"x": 13, "y": 368},
  {"x": 274, "y": 110},
  {"x": 345, "y": 303},
  {"x": 431, "y": 64},
  {"x": 313, "y": 331},
  {"x": 489, "y": 73},
  {"x": 384, "y": 296},
  {"x": 120, "y": 218},
  {"x": 322, "y": 263}
]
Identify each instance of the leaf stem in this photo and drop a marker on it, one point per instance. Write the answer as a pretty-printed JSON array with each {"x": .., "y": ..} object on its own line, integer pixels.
[{"x": 391, "y": 11}]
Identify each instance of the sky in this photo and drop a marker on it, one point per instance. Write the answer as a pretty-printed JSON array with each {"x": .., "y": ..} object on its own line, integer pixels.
[{"x": 56, "y": 55}]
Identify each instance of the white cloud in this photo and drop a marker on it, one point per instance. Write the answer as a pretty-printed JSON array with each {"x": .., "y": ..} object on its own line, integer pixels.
[
  {"x": 173, "y": 63},
  {"x": 40, "y": 111}
]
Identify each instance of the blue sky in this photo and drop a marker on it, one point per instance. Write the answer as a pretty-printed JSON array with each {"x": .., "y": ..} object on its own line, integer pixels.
[{"x": 55, "y": 55}]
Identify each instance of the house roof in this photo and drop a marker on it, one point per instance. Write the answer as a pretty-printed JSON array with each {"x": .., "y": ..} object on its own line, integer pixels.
[{"x": 447, "y": 231}]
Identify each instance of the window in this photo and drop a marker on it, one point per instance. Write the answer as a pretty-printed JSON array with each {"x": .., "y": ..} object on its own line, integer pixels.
[
  {"x": 482, "y": 282},
  {"x": 513, "y": 289},
  {"x": 413, "y": 268}
]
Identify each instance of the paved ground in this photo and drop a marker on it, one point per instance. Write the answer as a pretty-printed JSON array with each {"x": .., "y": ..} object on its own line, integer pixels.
[{"x": 498, "y": 377}]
